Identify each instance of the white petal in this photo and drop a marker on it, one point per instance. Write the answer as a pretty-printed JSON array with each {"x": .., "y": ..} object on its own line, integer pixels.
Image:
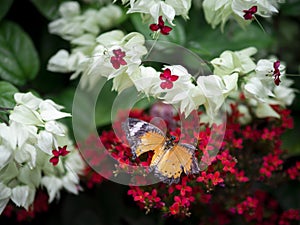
[
  {"x": 168, "y": 11},
  {"x": 54, "y": 128},
  {"x": 45, "y": 142},
  {"x": 69, "y": 9},
  {"x": 5, "y": 156},
  {"x": 48, "y": 111},
  {"x": 5, "y": 193},
  {"x": 264, "y": 110},
  {"x": 70, "y": 182},
  {"x": 25, "y": 115},
  {"x": 53, "y": 186},
  {"x": 23, "y": 196},
  {"x": 28, "y": 99}
]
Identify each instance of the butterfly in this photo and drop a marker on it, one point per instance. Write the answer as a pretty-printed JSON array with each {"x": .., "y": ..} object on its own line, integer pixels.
[{"x": 169, "y": 159}]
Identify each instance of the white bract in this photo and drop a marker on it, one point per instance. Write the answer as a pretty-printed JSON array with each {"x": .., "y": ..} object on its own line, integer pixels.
[
  {"x": 234, "y": 62},
  {"x": 152, "y": 9},
  {"x": 220, "y": 11},
  {"x": 132, "y": 45},
  {"x": 26, "y": 145}
]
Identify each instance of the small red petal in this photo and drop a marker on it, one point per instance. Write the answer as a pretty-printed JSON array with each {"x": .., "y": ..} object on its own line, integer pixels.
[
  {"x": 115, "y": 63},
  {"x": 55, "y": 152},
  {"x": 173, "y": 78},
  {"x": 161, "y": 23},
  {"x": 162, "y": 76},
  {"x": 165, "y": 30},
  {"x": 277, "y": 80},
  {"x": 64, "y": 153},
  {"x": 248, "y": 16},
  {"x": 167, "y": 73},
  {"x": 154, "y": 27},
  {"x": 253, "y": 9},
  {"x": 122, "y": 62},
  {"x": 276, "y": 64},
  {"x": 54, "y": 160}
]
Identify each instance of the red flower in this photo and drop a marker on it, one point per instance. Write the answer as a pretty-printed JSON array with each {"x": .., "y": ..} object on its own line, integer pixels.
[
  {"x": 249, "y": 13},
  {"x": 60, "y": 152},
  {"x": 165, "y": 30},
  {"x": 117, "y": 60},
  {"x": 276, "y": 72},
  {"x": 168, "y": 79}
]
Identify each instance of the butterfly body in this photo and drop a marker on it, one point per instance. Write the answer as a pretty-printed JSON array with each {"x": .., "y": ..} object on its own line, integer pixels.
[{"x": 169, "y": 159}]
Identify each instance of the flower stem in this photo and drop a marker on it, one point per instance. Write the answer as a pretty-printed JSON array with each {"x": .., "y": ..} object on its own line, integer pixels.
[
  {"x": 156, "y": 38},
  {"x": 259, "y": 24},
  {"x": 5, "y": 108}
]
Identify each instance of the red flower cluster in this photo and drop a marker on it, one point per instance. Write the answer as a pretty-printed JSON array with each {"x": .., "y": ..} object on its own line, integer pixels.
[{"x": 250, "y": 155}]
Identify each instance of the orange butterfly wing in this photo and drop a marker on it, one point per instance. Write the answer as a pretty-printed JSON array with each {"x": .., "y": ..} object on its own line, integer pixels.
[
  {"x": 143, "y": 137},
  {"x": 151, "y": 141},
  {"x": 175, "y": 160}
]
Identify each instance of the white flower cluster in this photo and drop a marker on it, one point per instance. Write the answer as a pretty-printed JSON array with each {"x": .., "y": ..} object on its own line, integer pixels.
[
  {"x": 81, "y": 29},
  {"x": 256, "y": 80},
  {"x": 220, "y": 11},
  {"x": 152, "y": 9},
  {"x": 26, "y": 145}
]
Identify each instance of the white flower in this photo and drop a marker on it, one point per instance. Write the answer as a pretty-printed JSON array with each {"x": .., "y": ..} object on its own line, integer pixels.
[
  {"x": 238, "y": 61},
  {"x": 53, "y": 185},
  {"x": 107, "y": 16},
  {"x": 265, "y": 67},
  {"x": 220, "y": 11},
  {"x": 5, "y": 194},
  {"x": 69, "y": 26},
  {"x": 5, "y": 155},
  {"x": 26, "y": 145},
  {"x": 144, "y": 79},
  {"x": 110, "y": 45},
  {"x": 217, "y": 12},
  {"x": 264, "y": 110},
  {"x": 23, "y": 196},
  {"x": 25, "y": 115},
  {"x": 64, "y": 62},
  {"x": 82, "y": 28},
  {"x": 50, "y": 111},
  {"x": 153, "y": 7},
  {"x": 265, "y": 8},
  {"x": 215, "y": 90}
]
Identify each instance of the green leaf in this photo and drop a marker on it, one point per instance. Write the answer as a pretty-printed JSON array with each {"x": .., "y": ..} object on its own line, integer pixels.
[
  {"x": 4, "y": 7},
  {"x": 7, "y": 92},
  {"x": 48, "y": 8},
  {"x": 104, "y": 105},
  {"x": 209, "y": 43},
  {"x": 291, "y": 8},
  {"x": 19, "y": 60}
]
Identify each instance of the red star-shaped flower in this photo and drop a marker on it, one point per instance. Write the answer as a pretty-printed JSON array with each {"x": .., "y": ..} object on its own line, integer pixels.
[
  {"x": 117, "y": 60},
  {"x": 250, "y": 12},
  {"x": 165, "y": 30},
  {"x": 167, "y": 79},
  {"x": 56, "y": 153}
]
